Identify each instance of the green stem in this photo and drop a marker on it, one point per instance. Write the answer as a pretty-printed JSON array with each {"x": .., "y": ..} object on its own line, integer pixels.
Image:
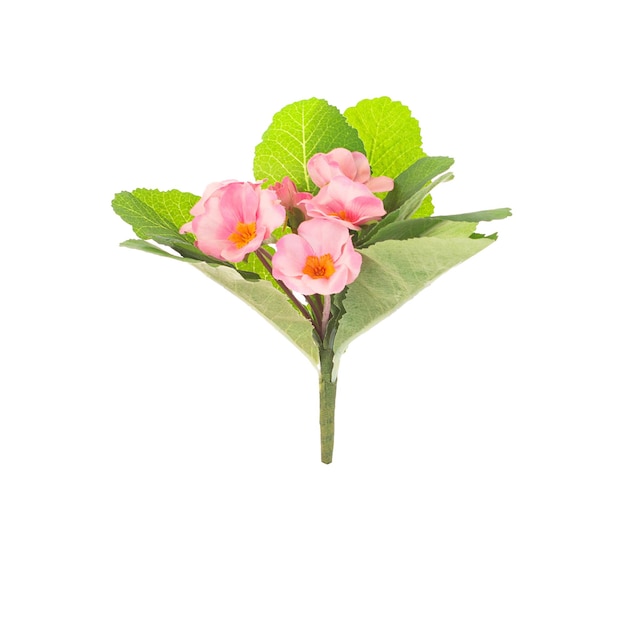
[
  {"x": 266, "y": 261},
  {"x": 328, "y": 394},
  {"x": 325, "y": 315},
  {"x": 317, "y": 309}
]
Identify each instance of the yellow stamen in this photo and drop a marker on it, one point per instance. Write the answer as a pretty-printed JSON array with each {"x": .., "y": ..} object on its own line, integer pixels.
[
  {"x": 319, "y": 266},
  {"x": 244, "y": 234}
]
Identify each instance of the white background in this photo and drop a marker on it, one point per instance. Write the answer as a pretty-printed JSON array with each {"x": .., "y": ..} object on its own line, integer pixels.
[{"x": 158, "y": 440}]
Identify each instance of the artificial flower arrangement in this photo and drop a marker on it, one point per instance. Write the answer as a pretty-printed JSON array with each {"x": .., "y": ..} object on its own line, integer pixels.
[{"x": 336, "y": 232}]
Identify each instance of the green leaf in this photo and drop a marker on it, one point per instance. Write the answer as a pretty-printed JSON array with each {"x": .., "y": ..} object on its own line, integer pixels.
[
  {"x": 408, "y": 209},
  {"x": 173, "y": 205},
  {"x": 392, "y": 273},
  {"x": 272, "y": 304},
  {"x": 414, "y": 178},
  {"x": 158, "y": 222},
  {"x": 425, "y": 227},
  {"x": 460, "y": 225},
  {"x": 146, "y": 222},
  {"x": 297, "y": 132},
  {"x": 493, "y": 236},
  {"x": 478, "y": 216},
  {"x": 426, "y": 208},
  {"x": 252, "y": 264},
  {"x": 390, "y": 134},
  {"x": 146, "y": 246}
]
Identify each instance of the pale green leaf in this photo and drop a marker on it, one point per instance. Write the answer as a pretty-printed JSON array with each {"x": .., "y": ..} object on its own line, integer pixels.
[
  {"x": 146, "y": 246},
  {"x": 297, "y": 132},
  {"x": 272, "y": 304},
  {"x": 392, "y": 273}
]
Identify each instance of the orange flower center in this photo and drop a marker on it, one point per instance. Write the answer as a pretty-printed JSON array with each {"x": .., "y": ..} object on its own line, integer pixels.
[
  {"x": 341, "y": 215},
  {"x": 244, "y": 234},
  {"x": 319, "y": 266}
]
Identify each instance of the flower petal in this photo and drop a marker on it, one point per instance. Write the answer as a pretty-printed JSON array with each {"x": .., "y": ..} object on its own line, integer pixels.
[{"x": 324, "y": 236}]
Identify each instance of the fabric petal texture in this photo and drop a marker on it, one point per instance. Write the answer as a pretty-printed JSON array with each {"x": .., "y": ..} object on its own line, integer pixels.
[
  {"x": 323, "y": 168},
  {"x": 346, "y": 201},
  {"x": 320, "y": 259},
  {"x": 233, "y": 219}
]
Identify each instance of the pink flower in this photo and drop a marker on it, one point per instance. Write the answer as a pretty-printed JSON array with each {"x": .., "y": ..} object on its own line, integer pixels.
[
  {"x": 287, "y": 193},
  {"x": 344, "y": 200},
  {"x": 341, "y": 162},
  {"x": 319, "y": 259},
  {"x": 233, "y": 219}
]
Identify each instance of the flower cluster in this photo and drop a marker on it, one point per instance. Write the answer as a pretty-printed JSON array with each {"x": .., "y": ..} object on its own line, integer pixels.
[
  {"x": 310, "y": 245},
  {"x": 233, "y": 219}
]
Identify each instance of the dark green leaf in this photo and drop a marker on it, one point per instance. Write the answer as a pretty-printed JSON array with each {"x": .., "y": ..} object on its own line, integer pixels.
[
  {"x": 404, "y": 212},
  {"x": 414, "y": 178},
  {"x": 478, "y": 216},
  {"x": 425, "y": 227},
  {"x": 155, "y": 222}
]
